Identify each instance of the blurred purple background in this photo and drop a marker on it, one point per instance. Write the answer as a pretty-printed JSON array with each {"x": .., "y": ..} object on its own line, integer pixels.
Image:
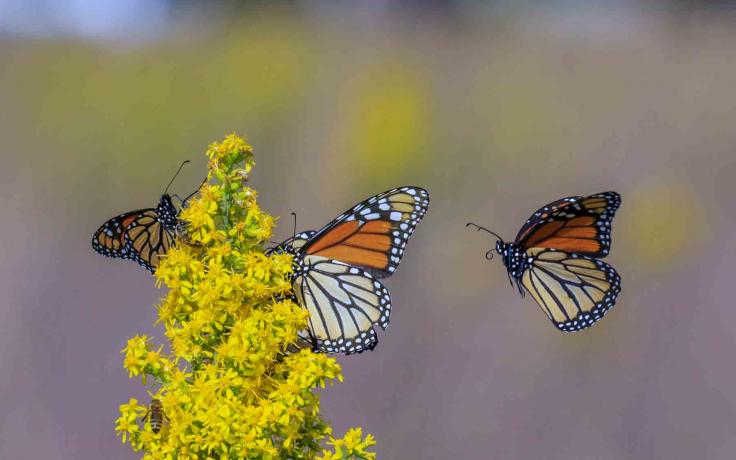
[{"x": 497, "y": 108}]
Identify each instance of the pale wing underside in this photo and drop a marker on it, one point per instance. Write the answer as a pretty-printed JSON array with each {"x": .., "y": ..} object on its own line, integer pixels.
[
  {"x": 344, "y": 304},
  {"x": 574, "y": 291}
]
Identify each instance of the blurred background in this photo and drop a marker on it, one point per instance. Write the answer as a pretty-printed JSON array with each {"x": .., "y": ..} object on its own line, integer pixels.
[{"x": 496, "y": 107}]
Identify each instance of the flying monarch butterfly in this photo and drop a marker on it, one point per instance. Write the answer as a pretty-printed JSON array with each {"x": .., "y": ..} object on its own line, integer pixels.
[
  {"x": 555, "y": 258},
  {"x": 337, "y": 269},
  {"x": 143, "y": 235}
]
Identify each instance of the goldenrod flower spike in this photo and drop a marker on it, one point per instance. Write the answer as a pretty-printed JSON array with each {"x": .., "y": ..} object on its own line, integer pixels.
[{"x": 228, "y": 386}]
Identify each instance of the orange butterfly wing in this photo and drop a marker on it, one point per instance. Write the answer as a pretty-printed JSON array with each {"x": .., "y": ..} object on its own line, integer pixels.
[
  {"x": 365, "y": 244},
  {"x": 292, "y": 245},
  {"x": 577, "y": 225},
  {"x": 109, "y": 240},
  {"x": 148, "y": 239},
  {"x": 373, "y": 234}
]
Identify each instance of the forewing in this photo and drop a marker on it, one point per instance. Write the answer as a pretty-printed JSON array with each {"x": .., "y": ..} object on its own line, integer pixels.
[
  {"x": 542, "y": 214},
  {"x": 293, "y": 244},
  {"x": 574, "y": 291},
  {"x": 373, "y": 234},
  {"x": 344, "y": 305},
  {"x": 580, "y": 225},
  {"x": 109, "y": 239},
  {"x": 147, "y": 240}
]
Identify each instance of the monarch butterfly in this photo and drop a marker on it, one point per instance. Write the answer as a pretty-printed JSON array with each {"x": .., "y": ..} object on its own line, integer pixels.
[
  {"x": 555, "y": 258},
  {"x": 143, "y": 235},
  {"x": 337, "y": 269}
]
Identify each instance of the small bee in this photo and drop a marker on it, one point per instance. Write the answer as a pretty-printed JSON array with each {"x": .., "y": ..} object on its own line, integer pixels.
[{"x": 155, "y": 415}]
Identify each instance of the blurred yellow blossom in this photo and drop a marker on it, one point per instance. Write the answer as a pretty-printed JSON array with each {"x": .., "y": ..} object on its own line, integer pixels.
[
  {"x": 232, "y": 385},
  {"x": 353, "y": 445}
]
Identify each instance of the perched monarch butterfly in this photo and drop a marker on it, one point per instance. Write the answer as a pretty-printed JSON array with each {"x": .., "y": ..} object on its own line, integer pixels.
[
  {"x": 555, "y": 258},
  {"x": 143, "y": 235},
  {"x": 336, "y": 269}
]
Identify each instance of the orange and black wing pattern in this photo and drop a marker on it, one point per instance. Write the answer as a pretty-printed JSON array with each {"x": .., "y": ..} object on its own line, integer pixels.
[
  {"x": 293, "y": 244},
  {"x": 109, "y": 240},
  {"x": 148, "y": 239},
  {"x": 373, "y": 234},
  {"x": 577, "y": 225},
  {"x": 143, "y": 235}
]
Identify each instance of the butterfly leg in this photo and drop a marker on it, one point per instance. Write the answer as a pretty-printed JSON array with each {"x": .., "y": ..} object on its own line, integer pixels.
[{"x": 520, "y": 288}]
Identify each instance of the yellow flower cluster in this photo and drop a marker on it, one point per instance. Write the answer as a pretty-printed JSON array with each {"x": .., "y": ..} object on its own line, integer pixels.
[
  {"x": 235, "y": 384},
  {"x": 353, "y": 445}
]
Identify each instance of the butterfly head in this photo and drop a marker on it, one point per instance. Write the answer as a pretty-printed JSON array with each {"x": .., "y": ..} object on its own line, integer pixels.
[{"x": 167, "y": 212}]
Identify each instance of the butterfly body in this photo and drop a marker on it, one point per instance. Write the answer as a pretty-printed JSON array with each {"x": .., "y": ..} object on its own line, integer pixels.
[
  {"x": 514, "y": 260},
  {"x": 555, "y": 258},
  {"x": 167, "y": 213},
  {"x": 337, "y": 270}
]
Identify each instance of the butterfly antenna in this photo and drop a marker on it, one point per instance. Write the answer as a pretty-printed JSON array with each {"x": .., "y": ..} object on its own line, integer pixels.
[
  {"x": 175, "y": 174},
  {"x": 194, "y": 192},
  {"x": 478, "y": 227},
  {"x": 294, "y": 214}
]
